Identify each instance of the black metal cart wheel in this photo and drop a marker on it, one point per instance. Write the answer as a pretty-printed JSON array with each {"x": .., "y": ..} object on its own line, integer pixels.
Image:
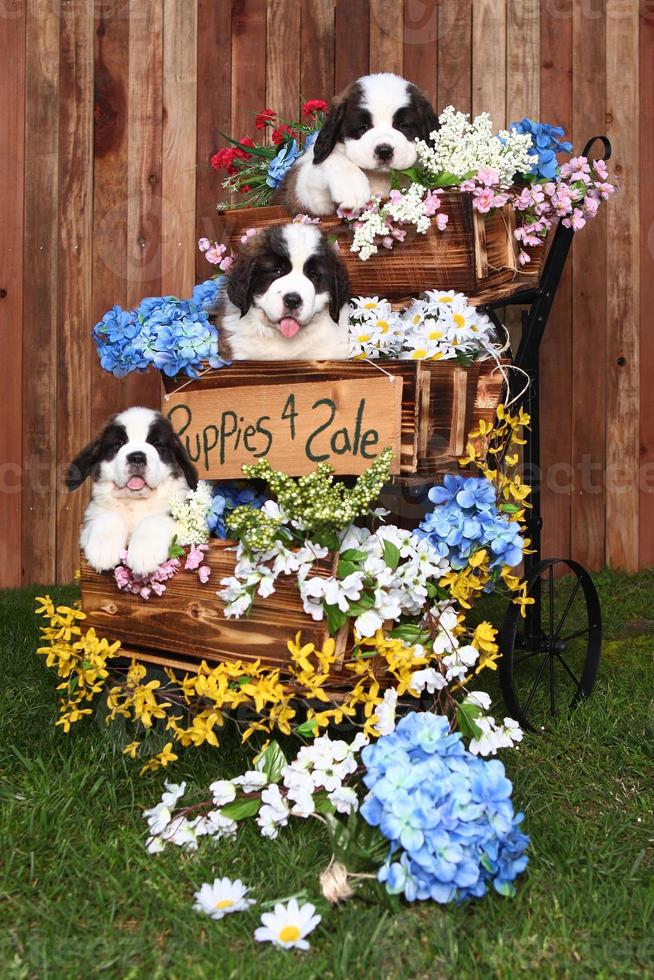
[{"x": 550, "y": 658}]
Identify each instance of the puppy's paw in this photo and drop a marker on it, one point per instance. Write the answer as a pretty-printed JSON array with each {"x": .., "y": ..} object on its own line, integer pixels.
[
  {"x": 145, "y": 554},
  {"x": 351, "y": 190},
  {"x": 102, "y": 551}
]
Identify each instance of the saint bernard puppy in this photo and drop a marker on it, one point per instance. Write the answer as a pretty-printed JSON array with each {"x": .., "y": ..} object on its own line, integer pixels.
[
  {"x": 285, "y": 299},
  {"x": 371, "y": 128},
  {"x": 138, "y": 466}
]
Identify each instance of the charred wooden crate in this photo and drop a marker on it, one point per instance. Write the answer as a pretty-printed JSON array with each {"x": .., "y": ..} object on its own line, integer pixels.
[
  {"x": 476, "y": 254},
  {"x": 187, "y": 624},
  {"x": 298, "y": 414}
]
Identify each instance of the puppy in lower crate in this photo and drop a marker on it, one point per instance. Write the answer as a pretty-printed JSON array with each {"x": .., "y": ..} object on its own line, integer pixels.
[
  {"x": 138, "y": 466},
  {"x": 286, "y": 298}
]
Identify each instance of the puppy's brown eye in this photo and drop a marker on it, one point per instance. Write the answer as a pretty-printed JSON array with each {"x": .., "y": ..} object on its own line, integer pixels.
[
  {"x": 314, "y": 276},
  {"x": 359, "y": 132}
]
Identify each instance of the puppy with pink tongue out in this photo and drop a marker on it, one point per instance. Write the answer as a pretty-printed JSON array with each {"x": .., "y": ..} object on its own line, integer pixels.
[{"x": 286, "y": 298}]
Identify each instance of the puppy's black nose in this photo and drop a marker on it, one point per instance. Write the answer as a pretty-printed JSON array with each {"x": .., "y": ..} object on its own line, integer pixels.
[
  {"x": 384, "y": 152},
  {"x": 292, "y": 301},
  {"x": 137, "y": 458}
]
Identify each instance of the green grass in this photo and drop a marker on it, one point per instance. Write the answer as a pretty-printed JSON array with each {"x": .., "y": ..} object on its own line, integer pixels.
[{"x": 80, "y": 897}]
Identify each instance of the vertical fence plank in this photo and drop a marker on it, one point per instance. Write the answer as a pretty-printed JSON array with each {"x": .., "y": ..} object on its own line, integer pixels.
[
  {"x": 109, "y": 286},
  {"x": 489, "y": 59},
  {"x": 352, "y": 45},
  {"x": 283, "y": 57},
  {"x": 421, "y": 44},
  {"x": 556, "y": 351},
  {"x": 646, "y": 136},
  {"x": 178, "y": 149},
  {"x": 248, "y": 69},
  {"x": 522, "y": 59},
  {"x": 386, "y": 36},
  {"x": 39, "y": 369},
  {"x": 12, "y": 123},
  {"x": 623, "y": 285},
  {"x": 214, "y": 101},
  {"x": 317, "y": 78},
  {"x": 455, "y": 55},
  {"x": 74, "y": 269},
  {"x": 589, "y": 301},
  {"x": 144, "y": 172}
]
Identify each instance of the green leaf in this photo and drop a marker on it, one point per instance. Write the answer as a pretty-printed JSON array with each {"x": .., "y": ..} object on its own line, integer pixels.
[
  {"x": 307, "y": 729},
  {"x": 324, "y": 804},
  {"x": 466, "y": 716},
  {"x": 239, "y": 809},
  {"x": 175, "y": 550},
  {"x": 271, "y": 761},
  {"x": 353, "y": 554},
  {"x": 362, "y": 605},
  {"x": 335, "y": 618},
  {"x": 446, "y": 180},
  {"x": 510, "y": 508},
  {"x": 346, "y": 568},
  {"x": 391, "y": 554},
  {"x": 410, "y": 633}
]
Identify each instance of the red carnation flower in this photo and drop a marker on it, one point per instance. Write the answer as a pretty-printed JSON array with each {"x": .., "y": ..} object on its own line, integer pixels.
[
  {"x": 239, "y": 152},
  {"x": 313, "y": 106},
  {"x": 281, "y": 131},
  {"x": 262, "y": 119},
  {"x": 224, "y": 159}
]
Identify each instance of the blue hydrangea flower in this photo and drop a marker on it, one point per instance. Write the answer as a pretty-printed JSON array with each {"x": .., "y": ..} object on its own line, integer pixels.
[
  {"x": 465, "y": 519},
  {"x": 282, "y": 163},
  {"x": 205, "y": 294},
  {"x": 117, "y": 339},
  {"x": 546, "y": 143},
  {"x": 227, "y": 496},
  {"x": 450, "y": 822}
]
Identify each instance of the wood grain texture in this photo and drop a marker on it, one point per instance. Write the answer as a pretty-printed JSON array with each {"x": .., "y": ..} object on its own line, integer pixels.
[
  {"x": 589, "y": 303},
  {"x": 248, "y": 67},
  {"x": 213, "y": 111},
  {"x": 646, "y": 407},
  {"x": 12, "y": 126},
  {"x": 317, "y": 77},
  {"x": 489, "y": 60},
  {"x": 39, "y": 366},
  {"x": 109, "y": 231},
  {"x": 352, "y": 41},
  {"x": 556, "y": 351},
  {"x": 623, "y": 299},
  {"x": 74, "y": 297},
  {"x": 283, "y": 57},
  {"x": 421, "y": 45},
  {"x": 144, "y": 172},
  {"x": 455, "y": 55},
  {"x": 386, "y": 36},
  {"x": 178, "y": 246}
]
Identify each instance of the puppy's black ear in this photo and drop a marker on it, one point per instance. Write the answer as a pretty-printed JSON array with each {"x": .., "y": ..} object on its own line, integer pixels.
[
  {"x": 427, "y": 118},
  {"x": 340, "y": 291},
  {"x": 82, "y": 465},
  {"x": 240, "y": 281},
  {"x": 183, "y": 461},
  {"x": 330, "y": 133}
]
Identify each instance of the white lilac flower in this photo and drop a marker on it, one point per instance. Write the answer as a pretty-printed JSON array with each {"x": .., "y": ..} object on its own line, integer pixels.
[
  {"x": 222, "y": 897},
  {"x": 190, "y": 515},
  {"x": 223, "y": 791},
  {"x": 288, "y": 925}
]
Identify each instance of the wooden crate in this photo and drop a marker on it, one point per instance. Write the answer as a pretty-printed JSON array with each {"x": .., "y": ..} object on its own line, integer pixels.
[
  {"x": 476, "y": 254},
  {"x": 187, "y": 623},
  {"x": 422, "y": 409}
]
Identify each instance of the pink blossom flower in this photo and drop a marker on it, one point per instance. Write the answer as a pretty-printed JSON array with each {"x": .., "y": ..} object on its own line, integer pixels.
[
  {"x": 500, "y": 200},
  {"x": 387, "y": 241},
  {"x": 214, "y": 254},
  {"x": 395, "y": 195},
  {"x": 488, "y": 176},
  {"x": 431, "y": 203},
  {"x": 483, "y": 198},
  {"x": 250, "y": 233},
  {"x": 469, "y": 184},
  {"x": 399, "y": 234},
  {"x": 204, "y": 244},
  {"x": 605, "y": 190},
  {"x": 591, "y": 204},
  {"x": 195, "y": 557},
  {"x": 304, "y": 219},
  {"x": 575, "y": 222},
  {"x": 441, "y": 220},
  {"x": 203, "y": 573},
  {"x": 599, "y": 166},
  {"x": 523, "y": 258},
  {"x": 226, "y": 263}
]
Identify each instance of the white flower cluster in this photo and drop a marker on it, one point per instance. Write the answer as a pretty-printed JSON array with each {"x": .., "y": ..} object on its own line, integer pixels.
[
  {"x": 443, "y": 325},
  {"x": 190, "y": 515},
  {"x": 493, "y": 736},
  {"x": 380, "y": 222},
  {"x": 462, "y": 148},
  {"x": 376, "y": 330},
  {"x": 393, "y": 568},
  {"x": 166, "y": 828}
]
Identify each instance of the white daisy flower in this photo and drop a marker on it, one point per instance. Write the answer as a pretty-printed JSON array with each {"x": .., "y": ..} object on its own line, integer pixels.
[
  {"x": 288, "y": 925},
  {"x": 221, "y": 898}
]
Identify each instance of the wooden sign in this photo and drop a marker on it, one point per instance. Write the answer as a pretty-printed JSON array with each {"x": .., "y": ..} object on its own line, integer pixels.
[{"x": 344, "y": 422}]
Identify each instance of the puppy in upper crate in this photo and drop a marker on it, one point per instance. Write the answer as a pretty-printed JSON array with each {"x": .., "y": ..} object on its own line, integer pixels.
[
  {"x": 286, "y": 298},
  {"x": 138, "y": 466},
  {"x": 371, "y": 128}
]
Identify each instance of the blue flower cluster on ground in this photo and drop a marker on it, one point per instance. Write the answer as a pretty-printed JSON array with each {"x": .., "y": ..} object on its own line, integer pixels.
[
  {"x": 466, "y": 518},
  {"x": 226, "y": 497},
  {"x": 447, "y": 814},
  {"x": 547, "y": 143},
  {"x": 174, "y": 335}
]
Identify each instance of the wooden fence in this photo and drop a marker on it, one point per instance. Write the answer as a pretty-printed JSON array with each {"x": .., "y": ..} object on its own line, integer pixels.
[{"x": 109, "y": 112}]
